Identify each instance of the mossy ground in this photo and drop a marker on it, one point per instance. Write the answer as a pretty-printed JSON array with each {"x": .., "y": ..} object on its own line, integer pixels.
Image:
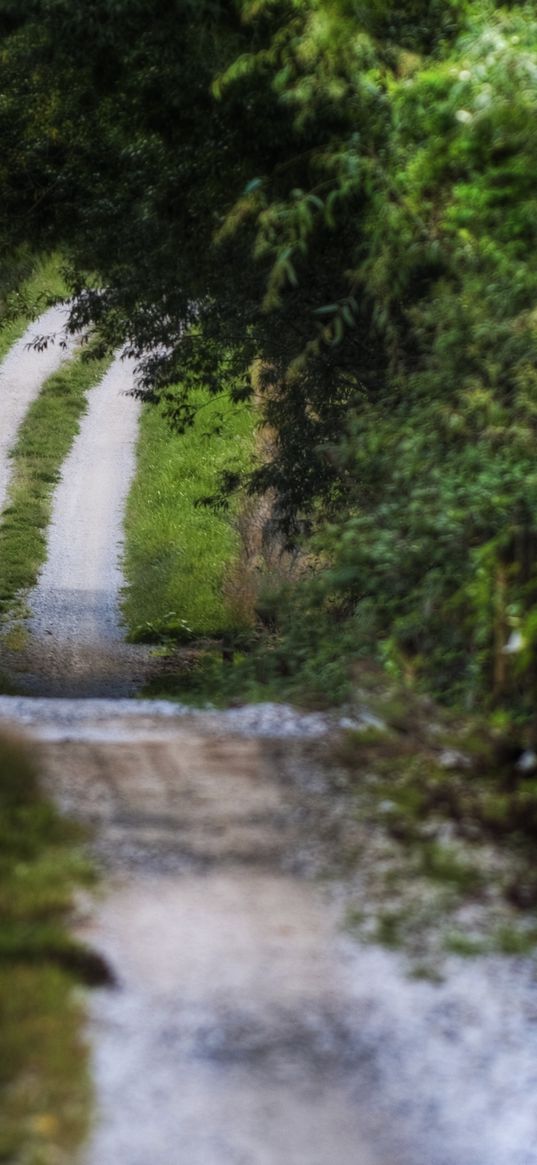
[{"x": 44, "y": 1082}]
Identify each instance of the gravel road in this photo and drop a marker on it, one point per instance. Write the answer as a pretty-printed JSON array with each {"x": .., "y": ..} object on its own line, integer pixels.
[
  {"x": 22, "y": 374},
  {"x": 76, "y": 643},
  {"x": 246, "y": 1026}
]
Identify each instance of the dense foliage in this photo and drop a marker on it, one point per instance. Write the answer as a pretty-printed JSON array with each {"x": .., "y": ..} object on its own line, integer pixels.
[{"x": 342, "y": 195}]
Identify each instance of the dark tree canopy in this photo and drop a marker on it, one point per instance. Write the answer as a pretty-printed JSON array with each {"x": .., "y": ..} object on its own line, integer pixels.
[{"x": 333, "y": 204}]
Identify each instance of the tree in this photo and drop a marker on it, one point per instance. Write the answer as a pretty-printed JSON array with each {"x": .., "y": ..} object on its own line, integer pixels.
[{"x": 340, "y": 195}]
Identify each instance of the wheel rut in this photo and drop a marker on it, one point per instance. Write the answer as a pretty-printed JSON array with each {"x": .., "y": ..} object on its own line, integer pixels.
[{"x": 228, "y": 1037}]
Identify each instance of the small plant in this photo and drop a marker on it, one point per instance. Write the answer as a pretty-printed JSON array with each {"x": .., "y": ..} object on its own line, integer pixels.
[
  {"x": 465, "y": 946},
  {"x": 511, "y": 940},
  {"x": 444, "y": 864}
]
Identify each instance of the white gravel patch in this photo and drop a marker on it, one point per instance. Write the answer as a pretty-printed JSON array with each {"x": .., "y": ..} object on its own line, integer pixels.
[
  {"x": 89, "y": 719},
  {"x": 22, "y": 375},
  {"x": 118, "y": 719},
  {"x": 280, "y": 720},
  {"x": 456, "y": 1061}
]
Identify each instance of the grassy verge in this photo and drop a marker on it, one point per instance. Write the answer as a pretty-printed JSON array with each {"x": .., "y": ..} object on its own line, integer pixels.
[
  {"x": 44, "y": 439},
  {"x": 37, "y": 292},
  {"x": 44, "y": 1083},
  {"x": 177, "y": 551},
  {"x": 440, "y": 822},
  {"x": 285, "y": 657}
]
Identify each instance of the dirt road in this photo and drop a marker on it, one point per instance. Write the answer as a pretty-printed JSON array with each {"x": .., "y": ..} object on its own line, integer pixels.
[
  {"x": 246, "y": 1026},
  {"x": 226, "y": 1040},
  {"x": 75, "y": 638}
]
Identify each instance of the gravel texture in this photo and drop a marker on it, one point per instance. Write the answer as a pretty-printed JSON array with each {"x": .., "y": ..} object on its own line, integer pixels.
[
  {"x": 118, "y": 719},
  {"x": 246, "y": 1024},
  {"x": 75, "y": 637}
]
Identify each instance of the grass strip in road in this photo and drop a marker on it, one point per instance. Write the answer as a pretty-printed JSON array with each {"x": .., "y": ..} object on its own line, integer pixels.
[
  {"x": 44, "y": 1082},
  {"x": 177, "y": 551},
  {"x": 37, "y": 292},
  {"x": 44, "y": 440}
]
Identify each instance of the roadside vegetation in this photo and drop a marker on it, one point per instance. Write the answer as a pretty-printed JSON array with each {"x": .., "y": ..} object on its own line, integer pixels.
[
  {"x": 178, "y": 548},
  {"x": 29, "y": 286},
  {"x": 329, "y": 208},
  {"x": 44, "y": 1084},
  {"x": 346, "y": 203},
  {"x": 44, "y": 439},
  {"x": 446, "y": 811}
]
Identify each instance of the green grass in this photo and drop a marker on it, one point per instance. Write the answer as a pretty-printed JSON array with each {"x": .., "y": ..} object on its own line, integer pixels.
[
  {"x": 177, "y": 551},
  {"x": 465, "y": 946},
  {"x": 44, "y": 439},
  {"x": 44, "y": 1083},
  {"x": 506, "y": 940},
  {"x": 442, "y": 863},
  {"x": 38, "y": 291}
]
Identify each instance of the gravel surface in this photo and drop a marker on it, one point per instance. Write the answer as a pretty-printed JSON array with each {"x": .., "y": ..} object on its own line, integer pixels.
[
  {"x": 76, "y": 643},
  {"x": 22, "y": 374},
  {"x": 246, "y": 1024},
  {"x": 118, "y": 719},
  {"x": 246, "y": 1027}
]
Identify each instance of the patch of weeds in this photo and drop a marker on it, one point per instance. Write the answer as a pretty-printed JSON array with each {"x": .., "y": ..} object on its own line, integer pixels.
[
  {"x": 446, "y": 850},
  {"x": 166, "y": 632},
  {"x": 401, "y": 710},
  {"x": 511, "y": 940},
  {"x": 199, "y": 674},
  {"x": 442, "y": 863},
  {"x": 15, "y": 638},
  {"x": 427, "y": 972},
  {"x": 44, "y": 440},
  {"x": 358, "y": 739},
  {"x": 389, "y": 928},
  {"x": 177, "y": 550},
  {"x": 45, "y": 1092},
  {"x": 44, "y": 1083},
  {"x": 465, "y": 946}
]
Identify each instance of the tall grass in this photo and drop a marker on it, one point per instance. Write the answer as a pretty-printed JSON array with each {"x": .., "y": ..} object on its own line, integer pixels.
[{"x": 178, "y": 551}]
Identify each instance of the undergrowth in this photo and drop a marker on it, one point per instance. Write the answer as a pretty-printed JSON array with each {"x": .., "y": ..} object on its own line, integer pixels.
[
  {"x": 44, "y": 1083},
  {"x": 294, "y": 651},
  {"x": 447, "y": 816},
  {"x": 177, "y": 548},
  {"x": 44, "y": 439}
]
